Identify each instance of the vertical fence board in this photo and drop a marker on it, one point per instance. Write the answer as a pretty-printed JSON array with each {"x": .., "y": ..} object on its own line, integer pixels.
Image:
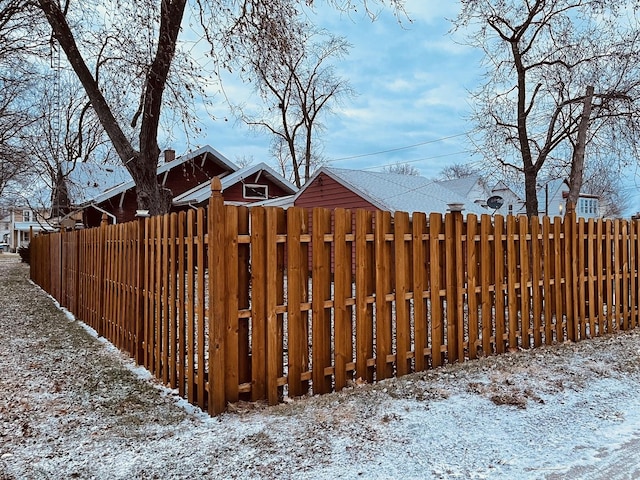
[
  {"x": 384, "y": 282},
  {"x": 365, "y": 284},
  {"x": 472, "y": 284},
  {"x": 402, "y": 264},
  {"x": 536, "y": 281},
  {"x": 173, "y": 299},
  {"x": 258, "y": 305},
  {"x": 547, "y": 263},
  {"x": 559, "y": 277},
  {"x": 182, "y": 304},
  {"x": 610, "y": 275},
  {"x": 594, "y": 277},
  {"x": 486, "y": 264},
  {"x": 499, "y": 285},
  {"x": 191, "y": 310},
  {"x": 218, "y": 289},
  {"x": 244, "y": 299},
  {"x": 633, "y": 268},
  {"x": 200, "y": 311},
  {"x": 525, "y": 281},
  {"x": 321, "y": 293},
  {"x": 512, "y": 277},
  {"x": 419, "y": 286},
  {"x": 232, "y": 304},
  {"x": 623, "y": 279},
  {"x": 582, "y": 279},
  {"x": 297, "y": 255},
  {"x": 435, "y": 269},
  {"x": 342, "y": 293},
  {"x": 571, "y": 274},
  {"x": 601, "y": 279},
  {"x": 274, "y": 324}
]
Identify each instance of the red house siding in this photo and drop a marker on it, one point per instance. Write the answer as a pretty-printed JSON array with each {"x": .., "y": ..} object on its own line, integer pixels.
[{"x": 326, "y": 192}]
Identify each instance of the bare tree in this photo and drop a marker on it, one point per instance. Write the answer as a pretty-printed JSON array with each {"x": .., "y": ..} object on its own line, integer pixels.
[
  {"x": 295, "y": 79},
  {"x": 19, "y": 40},
  {"x": 65, "y": 131},
  {"x": 150, "y": 28},
  {"x": 457, "y": 170},
  {"x": 402, "y": 169},
  {"x": 541, "y": 56}
]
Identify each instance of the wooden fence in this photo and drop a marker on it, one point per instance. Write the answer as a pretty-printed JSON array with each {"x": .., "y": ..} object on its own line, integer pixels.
[{"x": 226, "y": 304}]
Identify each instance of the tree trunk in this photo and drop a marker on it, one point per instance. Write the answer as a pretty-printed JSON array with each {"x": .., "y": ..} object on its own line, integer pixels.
[
  {"x": 577, "y": 162},
  {"x": 141, "y": 165},
  {"x": 531, "y": 191}
]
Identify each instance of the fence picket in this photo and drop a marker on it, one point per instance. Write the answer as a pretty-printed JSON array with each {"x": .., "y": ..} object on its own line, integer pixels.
[
  {"x": 321, "y": 293},
  {"x": 419, "y": 286},
  {"x": 342, "y": 294},
  {"x": 402, "y": 264},
  {"x": 384, "y": 285},
  {"x": 365, "y": 285},
  {"x": 297, "y": 293}
]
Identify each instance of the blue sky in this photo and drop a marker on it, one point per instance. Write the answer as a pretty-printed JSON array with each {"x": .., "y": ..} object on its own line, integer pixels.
[{"x": 411, "y": 82}]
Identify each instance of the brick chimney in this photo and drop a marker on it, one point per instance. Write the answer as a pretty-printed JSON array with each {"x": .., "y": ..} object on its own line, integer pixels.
[{"x": 169, "y": 155}]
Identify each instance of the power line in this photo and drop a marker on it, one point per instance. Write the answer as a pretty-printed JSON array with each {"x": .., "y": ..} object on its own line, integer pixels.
[
  {"x": 397, "y": 149},
  {"x": 418, "y": 160}
]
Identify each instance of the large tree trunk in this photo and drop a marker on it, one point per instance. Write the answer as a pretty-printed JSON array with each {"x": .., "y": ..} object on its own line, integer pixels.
[
  {"x": 577, "y": 162},
  {"x": 142, "y": 165}
]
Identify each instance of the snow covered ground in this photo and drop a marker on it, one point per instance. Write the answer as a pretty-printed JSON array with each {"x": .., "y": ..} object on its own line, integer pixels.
[{"x": 71, "y": 406}]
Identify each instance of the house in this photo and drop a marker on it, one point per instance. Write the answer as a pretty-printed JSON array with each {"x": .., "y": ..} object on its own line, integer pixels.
[
  {"x": 188, "y": 177},
  {"x": 552, "y": 200},
  {"x": 354, "y": 189},
  {"x": 16, "y": 224},
  {"x": 473, "y": 188},
  {"x": 511, "y": 198},
  {"x": 254, "y": 183},
  {"x": 118, "y": 201}
]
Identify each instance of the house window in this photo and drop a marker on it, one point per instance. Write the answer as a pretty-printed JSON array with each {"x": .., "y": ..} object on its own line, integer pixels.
[
  {"x": 26, "y": 215},
  {"x": 255, "y": 192},
  {"x": 588, "y": 206}
]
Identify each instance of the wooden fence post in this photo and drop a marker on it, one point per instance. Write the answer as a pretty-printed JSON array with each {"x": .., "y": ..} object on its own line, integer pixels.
[{"x": 217, "y": 288}]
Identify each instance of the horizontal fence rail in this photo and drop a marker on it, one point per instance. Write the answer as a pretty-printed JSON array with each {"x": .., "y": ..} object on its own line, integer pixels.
[{"x": 226, "y": 304}]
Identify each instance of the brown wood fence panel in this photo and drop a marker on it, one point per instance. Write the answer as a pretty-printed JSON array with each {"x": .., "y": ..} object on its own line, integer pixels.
[{"x": 227, "y": 303}]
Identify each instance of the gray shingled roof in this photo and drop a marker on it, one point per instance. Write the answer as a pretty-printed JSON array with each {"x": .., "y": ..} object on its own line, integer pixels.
[
  {"x": 96, "y": 183},
  {"x": 89, "y": 180},
  {"x": 396, "y": 192}
]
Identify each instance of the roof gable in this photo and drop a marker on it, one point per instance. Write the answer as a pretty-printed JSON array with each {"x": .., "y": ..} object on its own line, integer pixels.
[{"x": 251, "y": 174}]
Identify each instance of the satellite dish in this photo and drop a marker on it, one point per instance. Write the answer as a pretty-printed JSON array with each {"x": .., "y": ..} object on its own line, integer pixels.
[{"x": 495, "y": 202}]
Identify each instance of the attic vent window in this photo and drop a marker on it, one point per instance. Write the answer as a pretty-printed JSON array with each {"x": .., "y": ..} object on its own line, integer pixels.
[{"x": 255, "y": 192}]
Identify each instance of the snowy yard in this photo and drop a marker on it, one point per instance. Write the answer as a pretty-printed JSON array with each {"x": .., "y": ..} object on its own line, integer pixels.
[{"x": 71, "y": 406}]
